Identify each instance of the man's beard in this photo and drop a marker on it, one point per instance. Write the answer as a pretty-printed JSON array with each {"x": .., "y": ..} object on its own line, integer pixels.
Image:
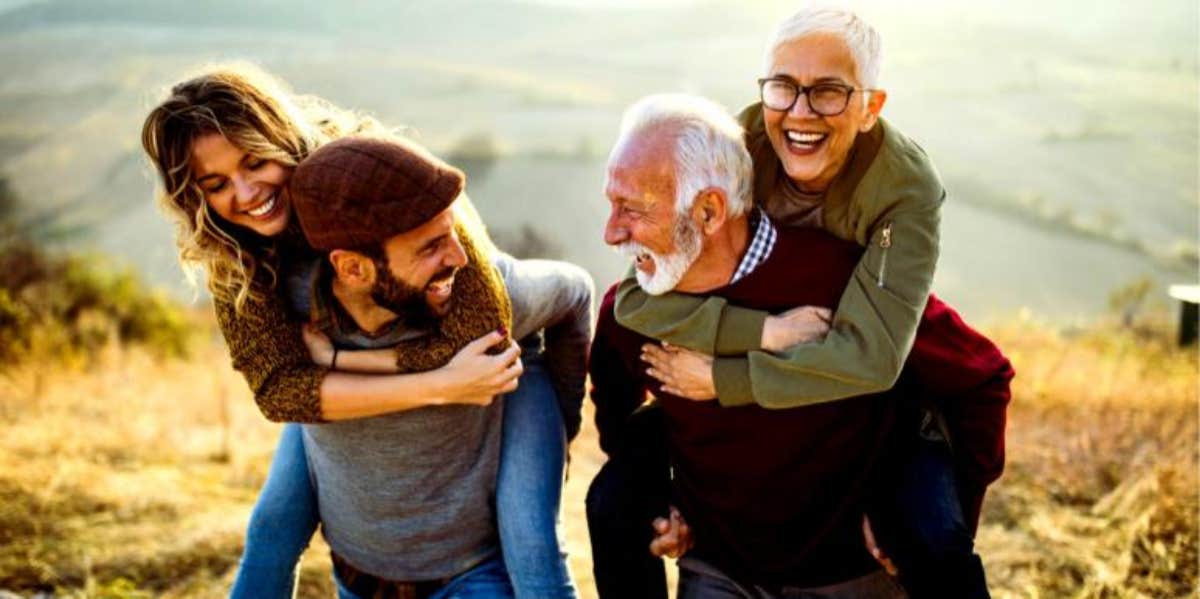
[
  {"x": 404, "y": 299},
  {"x": 669, "y": 269}
]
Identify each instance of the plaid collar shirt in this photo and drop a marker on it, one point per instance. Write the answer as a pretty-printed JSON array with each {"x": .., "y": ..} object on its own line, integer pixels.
[{"x": 760, "y": 246}]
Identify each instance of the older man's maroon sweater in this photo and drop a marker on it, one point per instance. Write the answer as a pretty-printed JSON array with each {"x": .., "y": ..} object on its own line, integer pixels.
[{"x": 776, "y": 496}]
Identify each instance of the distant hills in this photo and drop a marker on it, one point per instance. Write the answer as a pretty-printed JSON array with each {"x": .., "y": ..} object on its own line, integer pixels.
[{"x": 1068, "y": 140}]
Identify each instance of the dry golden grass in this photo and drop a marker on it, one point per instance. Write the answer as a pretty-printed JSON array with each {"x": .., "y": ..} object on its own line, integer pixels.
[
  {"x": 135, "y": 477},
  {"x": 1100, "y": 495}
]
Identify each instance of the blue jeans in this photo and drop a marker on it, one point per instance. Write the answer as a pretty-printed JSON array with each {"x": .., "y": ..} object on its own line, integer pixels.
[
  {"x": 529, "y": 489},
  {"x": 488, "y": 580},
  {"x": 528, "y": 493},
  {"x": 284, "y": 519}
]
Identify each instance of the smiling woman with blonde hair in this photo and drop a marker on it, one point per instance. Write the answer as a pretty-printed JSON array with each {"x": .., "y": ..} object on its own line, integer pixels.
[
  {"x": 224, "y": 144},
  {"x": 256, "y": 112}
]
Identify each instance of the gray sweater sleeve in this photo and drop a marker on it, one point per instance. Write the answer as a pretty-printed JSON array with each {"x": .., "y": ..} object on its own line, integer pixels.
[{"x": 556, "y": 298}]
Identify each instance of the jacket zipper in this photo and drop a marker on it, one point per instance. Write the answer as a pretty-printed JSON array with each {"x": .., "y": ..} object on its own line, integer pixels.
[{"x": 885, "y": 242}]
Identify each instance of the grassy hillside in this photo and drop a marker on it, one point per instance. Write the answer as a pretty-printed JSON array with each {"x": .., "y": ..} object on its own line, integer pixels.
[
  {"x": 1099, "y": 497},
  {"x": 134, "y": 478}
]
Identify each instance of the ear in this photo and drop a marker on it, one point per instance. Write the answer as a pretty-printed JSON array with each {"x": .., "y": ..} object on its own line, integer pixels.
[
  {"x": 875, "y": 102},
  {"x": 352, "y": 268},
  {"x": 711, "y": 209}
]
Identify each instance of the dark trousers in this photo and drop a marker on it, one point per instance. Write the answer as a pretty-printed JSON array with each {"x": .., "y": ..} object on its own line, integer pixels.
[
  {"x": 699, "y": 580},
  {"x": 629, "y": 492},
  {"x": 916, "y": 516},
  {"x": 919, "y": 523}
]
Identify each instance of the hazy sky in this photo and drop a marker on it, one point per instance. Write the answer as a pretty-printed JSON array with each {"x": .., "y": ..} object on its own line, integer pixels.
[{"x": 610, "y": 4}]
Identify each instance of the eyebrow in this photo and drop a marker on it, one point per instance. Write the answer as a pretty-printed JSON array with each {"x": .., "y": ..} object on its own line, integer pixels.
[
  {"x": 625, "y": 202},
  {"x": 830, "y": 80},
  {"x": 817, "y": 81}
]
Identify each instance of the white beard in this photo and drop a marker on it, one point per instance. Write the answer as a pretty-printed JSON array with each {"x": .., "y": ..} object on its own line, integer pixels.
[{"x": 668, "y": 269}]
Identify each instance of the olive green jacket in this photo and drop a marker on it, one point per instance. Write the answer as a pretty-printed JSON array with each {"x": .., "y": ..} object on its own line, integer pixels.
[{"x": 888, "y": 200}]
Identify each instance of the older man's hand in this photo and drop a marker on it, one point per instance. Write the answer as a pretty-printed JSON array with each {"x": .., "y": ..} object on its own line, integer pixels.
[
  {"x": 672, "y": 537},
  {"x": 875, "y": 551},
  {"x": 805, "y": 324},
  {"x": 682, "y": 372}
]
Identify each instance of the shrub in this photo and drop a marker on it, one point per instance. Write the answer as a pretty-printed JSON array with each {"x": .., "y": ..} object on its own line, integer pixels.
[{"x": 69, "y": 306}]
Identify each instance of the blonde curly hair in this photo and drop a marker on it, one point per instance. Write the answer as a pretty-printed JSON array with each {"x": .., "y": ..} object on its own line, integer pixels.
[{"x": 259, "y": 114}]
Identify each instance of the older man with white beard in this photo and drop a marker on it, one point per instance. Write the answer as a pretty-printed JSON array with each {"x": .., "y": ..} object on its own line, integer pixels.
[{"x": 763, "y": 512}]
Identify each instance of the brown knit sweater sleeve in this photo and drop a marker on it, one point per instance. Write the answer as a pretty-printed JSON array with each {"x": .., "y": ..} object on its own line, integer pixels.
[{"x": 268, "y": 349}]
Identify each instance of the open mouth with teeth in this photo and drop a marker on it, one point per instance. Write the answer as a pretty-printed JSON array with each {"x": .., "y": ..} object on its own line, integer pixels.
[
  {"x": 440, "y": 289},
  {"x": 805, "y": 142},
  {"x": 643, "y": 259},
  {"x": 266, "y": 210},
  {"x": 644, "y": 262}
]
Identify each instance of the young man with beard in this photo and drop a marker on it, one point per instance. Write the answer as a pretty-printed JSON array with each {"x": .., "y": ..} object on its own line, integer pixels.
[{"x": 407, "y": 499}]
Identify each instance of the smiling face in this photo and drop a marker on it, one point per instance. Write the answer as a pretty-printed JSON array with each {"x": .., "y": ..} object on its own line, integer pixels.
[
  {"x": 421, "y": 266},
  {"x": 813, "y": 148},
  {"x": 644, "y": 224},
  {"x": 240, "y": 187}
]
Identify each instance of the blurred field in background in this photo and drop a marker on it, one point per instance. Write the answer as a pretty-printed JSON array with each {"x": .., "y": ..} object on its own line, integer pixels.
[
  {"x": 131, "y": 474},
  {"x": 1066, "y": 133}
]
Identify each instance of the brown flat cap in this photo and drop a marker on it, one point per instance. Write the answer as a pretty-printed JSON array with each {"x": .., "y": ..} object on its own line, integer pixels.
[{"x": 359, "y": 191}]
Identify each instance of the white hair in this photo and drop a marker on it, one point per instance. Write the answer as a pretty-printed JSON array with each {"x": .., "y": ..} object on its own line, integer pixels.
[
  {"x": 709, "y": 147},
  {"x": 862, "y": 39}
]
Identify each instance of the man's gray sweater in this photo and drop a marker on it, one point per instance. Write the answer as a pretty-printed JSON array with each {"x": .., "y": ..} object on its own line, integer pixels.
[{"x": 410, "y": 495}]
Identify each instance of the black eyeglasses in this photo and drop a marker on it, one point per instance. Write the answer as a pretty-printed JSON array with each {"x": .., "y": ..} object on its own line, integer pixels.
[{"x": 825, "y": 99}]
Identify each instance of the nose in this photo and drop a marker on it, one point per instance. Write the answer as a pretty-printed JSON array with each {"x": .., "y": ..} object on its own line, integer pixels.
[
  {"x": 801, "y": 108},
  {"x": 242, "y": 189},
  {"x": 457, "y": 256},
  {"x": 615, "y": 231}
]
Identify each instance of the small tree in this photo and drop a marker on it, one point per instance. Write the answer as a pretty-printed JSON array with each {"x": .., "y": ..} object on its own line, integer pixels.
[
  {"x": 8, "y": 201},
  {"x": 1129, "y": 299},
  {"x": 8, "y": 210},
  {"x": 475, "y": 153},
  {"x": 527, "y": 242}
]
